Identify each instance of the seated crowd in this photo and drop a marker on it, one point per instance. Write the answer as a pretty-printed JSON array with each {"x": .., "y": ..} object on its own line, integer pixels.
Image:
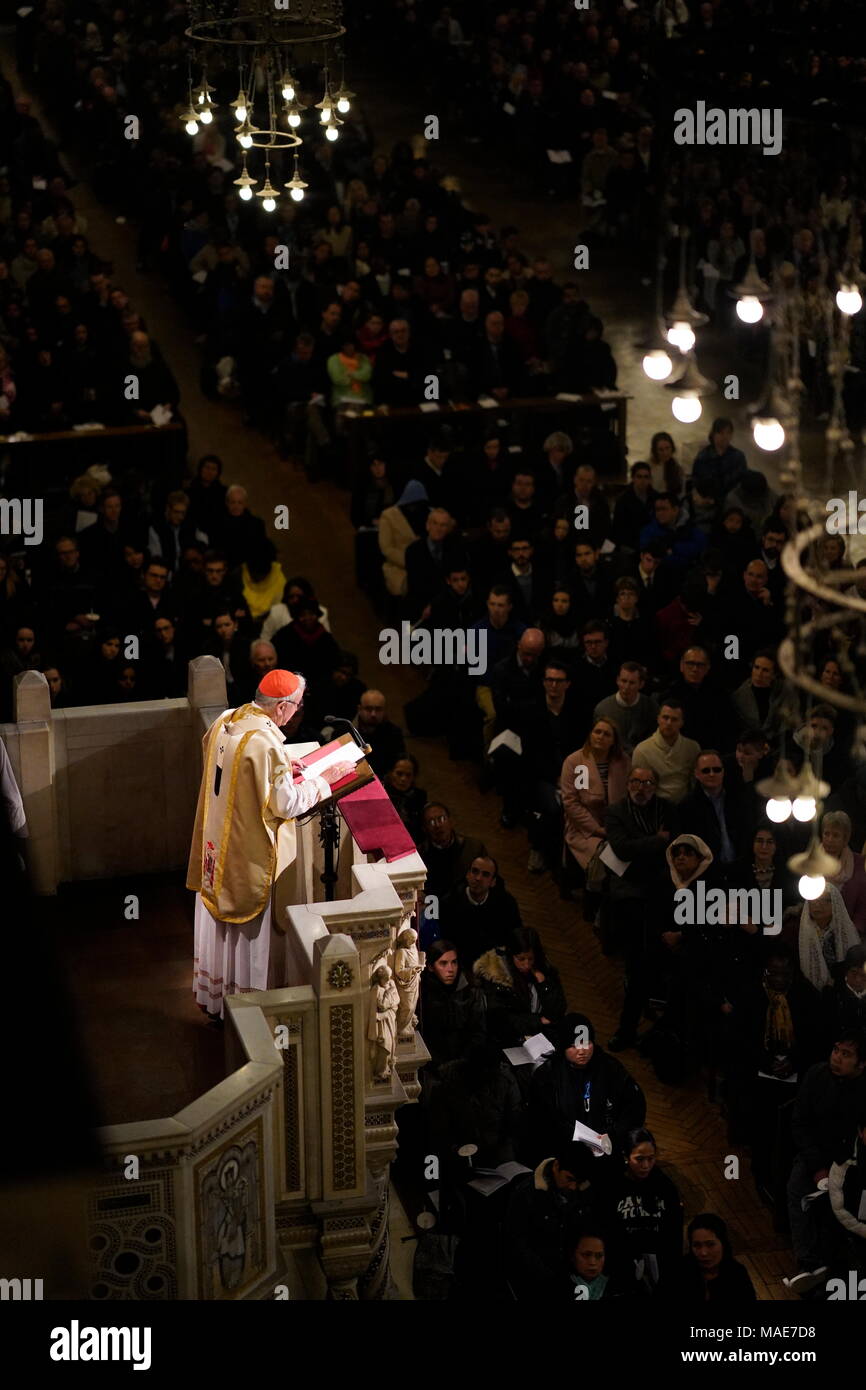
[{"x": 628, "y": 695}]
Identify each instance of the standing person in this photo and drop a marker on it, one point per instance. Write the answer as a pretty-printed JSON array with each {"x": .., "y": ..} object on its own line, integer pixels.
[
  {"x": 582, "y": 1082},
  {"x": 851, "y": 878},
  {"x": 243, "y": 843},
  {"x": 668, "y": 754},
  {"x": 826, "y": 935},
  {"x": 638, "y": 831},
  {"x": 826, "y": 1111},
  {"x": 592, "y": 779},
  {"x": 645, "y": 1209},
  {"x": 719, "y": 466},
  {"x": 708, "y": 1273}
]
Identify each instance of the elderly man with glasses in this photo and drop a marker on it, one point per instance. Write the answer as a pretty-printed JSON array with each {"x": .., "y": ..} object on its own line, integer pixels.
[
  {"x": 244, "y": 844},
  {"x": 639, "y": 828}
]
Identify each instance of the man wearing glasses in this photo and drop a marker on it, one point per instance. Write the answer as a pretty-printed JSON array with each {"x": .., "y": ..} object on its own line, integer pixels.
[
  {"x": 722, "y": 820},
  {"x": 708, "y": 716},
  {"x": 244, "y": 845},
  {"x": 639, "y": 829}
]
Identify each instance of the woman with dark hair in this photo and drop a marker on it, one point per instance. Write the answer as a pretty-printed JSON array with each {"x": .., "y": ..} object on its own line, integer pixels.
[
  {"x": 561, "y": 620},
  {"x": 297, "y": 588},
  {"x": 581, "y": 1082},
  {"x": 524, "y": 991},
  {"x": 407, "y": 799},
  {"x": 207, "y": 495},
  {"x": 764, "y": 867},
  {"x": 99, "y": 677},
  {"x": 372, "y": 493},
  {"x": 592, "y": 1277},
  {"x": 734, "y": 538},
  {"x": 645, "y": 1210},
  {"x": 708, "y": 1273},
  {"x": 667, "y": 475},
  {"x": 453, "y": 1011}
]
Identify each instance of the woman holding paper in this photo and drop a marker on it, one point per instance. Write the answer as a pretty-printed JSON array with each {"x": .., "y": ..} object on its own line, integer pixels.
[
  {"x": 582, "y": 1084},
  {"x": 592, "y": 779},
  {"x": 524, "y": 992}
]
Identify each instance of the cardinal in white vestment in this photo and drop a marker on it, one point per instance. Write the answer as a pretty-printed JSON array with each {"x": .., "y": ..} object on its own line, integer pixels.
[{"x": 244, "y": 843}]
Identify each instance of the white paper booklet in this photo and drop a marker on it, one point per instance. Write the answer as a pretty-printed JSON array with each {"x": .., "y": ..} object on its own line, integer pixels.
[{"x": 600, "y": 1144}]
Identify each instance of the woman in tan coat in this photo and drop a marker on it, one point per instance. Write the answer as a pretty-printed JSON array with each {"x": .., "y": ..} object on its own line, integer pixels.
[
  {"x": 591, "y": 779},
  {"x": 396, "y": 534}
]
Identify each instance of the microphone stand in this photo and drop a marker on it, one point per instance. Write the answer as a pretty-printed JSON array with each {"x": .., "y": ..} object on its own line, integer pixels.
[{"x": 329, "y": 829}]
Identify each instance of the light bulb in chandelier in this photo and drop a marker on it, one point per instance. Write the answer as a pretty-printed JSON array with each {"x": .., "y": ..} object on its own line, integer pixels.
[
  {"x": 811, "y": 886},
  {"x": 750, "y": 309},
  {"x": 687, "y": 408},
  {"x": 332, "y": 133},
  {"x": 191, "y": 121},
  {"x": 245, "y": 185},
  {"x": 205, "y": 115},
  {"x": 681, "y": 335},
  {"x": 657, "y": 365},
  {"x": 325, "y": 107},
  {"x": 778, "y": 809},
  {"x": 245, "y": 135},
  {"x": 268, "y": 193},
  {"x": 849, "y": 299},
  {"x": 343, "y": 98},
  {"x": 239, "y": 106},
  {"x": 287, "y": 88},
  {"x": 768, "y": 433},
  {"x": 296, "y": 185},
  {"x": 804, "y": 808}
]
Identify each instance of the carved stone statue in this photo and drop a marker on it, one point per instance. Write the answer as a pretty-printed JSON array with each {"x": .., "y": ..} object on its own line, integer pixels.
[
  {"x": 408, "y": 964},
  {"x": 382, "y": 1022}
]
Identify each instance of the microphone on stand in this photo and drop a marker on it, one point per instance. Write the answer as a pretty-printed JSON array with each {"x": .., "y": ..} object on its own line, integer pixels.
[{"x": 332, "y": 719}]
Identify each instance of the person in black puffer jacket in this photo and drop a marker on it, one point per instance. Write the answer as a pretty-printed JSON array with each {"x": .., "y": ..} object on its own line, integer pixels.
[{"x": 523, "y": 990}]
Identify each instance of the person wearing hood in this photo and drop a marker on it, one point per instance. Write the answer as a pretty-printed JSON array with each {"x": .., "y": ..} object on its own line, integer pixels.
[
  {"x": 582, "y": 1082},
  {"x": 711, "y": 962},
  {"x": 524, "y": 991},
  {"x": 399, "y": 526},
  {"x": 542, "y": 1207},
  {"x": 826, "y": 935}
]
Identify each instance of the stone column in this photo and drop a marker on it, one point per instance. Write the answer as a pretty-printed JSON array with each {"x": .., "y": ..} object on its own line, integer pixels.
[
  {"x": 206, "y": 692},
  {"x": 36, "y": 778}
]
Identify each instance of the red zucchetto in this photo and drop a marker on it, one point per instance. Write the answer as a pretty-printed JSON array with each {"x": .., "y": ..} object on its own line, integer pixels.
[{"x": 279, "y": 685}]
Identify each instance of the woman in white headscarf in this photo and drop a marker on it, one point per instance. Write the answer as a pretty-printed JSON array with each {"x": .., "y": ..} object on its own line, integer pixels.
[{"x": 826, "y": 934}]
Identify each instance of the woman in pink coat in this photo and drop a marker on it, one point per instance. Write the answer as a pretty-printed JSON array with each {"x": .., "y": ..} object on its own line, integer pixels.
[{"x": 591, "y": 780}]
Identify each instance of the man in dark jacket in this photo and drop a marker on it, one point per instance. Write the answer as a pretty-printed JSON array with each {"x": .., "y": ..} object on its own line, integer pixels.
[
  {"x": 582, "y": 1082},
  {"x": 638, "y": 831},
  {"x": 480, "y": 914},
  {"x": 541, "y": 1211},
  {"x": 824, "y": 1124},
  {"x": 446, "y": 854},
  {"x": 716, "y": 813},
  {"x": 384, "y": 737}
]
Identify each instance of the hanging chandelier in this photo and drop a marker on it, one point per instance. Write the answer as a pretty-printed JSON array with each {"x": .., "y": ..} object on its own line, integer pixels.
[{"x": 278, "y": 51}]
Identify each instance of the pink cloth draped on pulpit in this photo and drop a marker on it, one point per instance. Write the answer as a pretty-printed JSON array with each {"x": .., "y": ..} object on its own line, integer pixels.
[{"x": 374, "y": 823}]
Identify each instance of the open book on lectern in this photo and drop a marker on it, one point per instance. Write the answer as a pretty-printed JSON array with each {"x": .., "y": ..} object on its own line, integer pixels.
[{"x": 340, "y": 750}]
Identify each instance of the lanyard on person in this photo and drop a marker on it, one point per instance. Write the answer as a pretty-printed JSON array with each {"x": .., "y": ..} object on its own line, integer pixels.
[{"x": 586, "y": 1096}]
